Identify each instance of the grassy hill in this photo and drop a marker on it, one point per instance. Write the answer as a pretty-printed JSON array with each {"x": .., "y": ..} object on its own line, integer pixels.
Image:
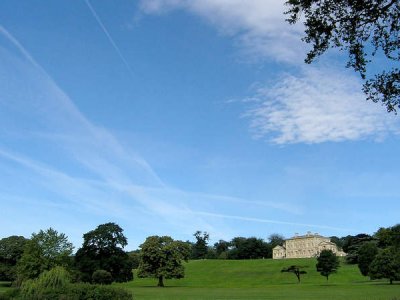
[{"x": 262, "y": 279}]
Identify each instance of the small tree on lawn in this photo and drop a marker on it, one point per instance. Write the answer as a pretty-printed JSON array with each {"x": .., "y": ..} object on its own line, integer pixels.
[
  {"x": 327, "y": 263},
  {"x": 296, "y": 270},
  {"x": 162, "y": 257}
]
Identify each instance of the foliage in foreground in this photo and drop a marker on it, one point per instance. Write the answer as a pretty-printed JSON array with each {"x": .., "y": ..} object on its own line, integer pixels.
[
  {"x": 362, "y": 28},
  {"x": 55, "y": 285}
]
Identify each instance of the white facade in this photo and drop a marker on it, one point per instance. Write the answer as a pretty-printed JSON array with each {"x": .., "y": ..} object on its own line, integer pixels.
[{"x": 305, "y": 246}]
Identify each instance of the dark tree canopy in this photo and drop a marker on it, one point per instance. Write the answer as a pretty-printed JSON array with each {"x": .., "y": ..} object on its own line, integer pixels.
[
  {"x": 389, "y": 237},
  {"x": 366, "y": 254},
  {"x": 363, "y": 28},
  {"x": 386, "y": 265},
  {"x": 162, "y": 257},
  {"x": 102, "y": 249},
  {"x": 276, "y": 239},
  {"x": 199, "y": 248},
  {"x": 249, "y": 248},
  {"x": 352, "y": 244},
  {"x": 327, "y": 263},
  {"x": 11, "y": 249}
]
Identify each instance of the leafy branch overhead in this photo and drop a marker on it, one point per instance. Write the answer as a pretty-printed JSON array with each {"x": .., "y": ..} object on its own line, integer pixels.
[{"x": 367, "y": 29}]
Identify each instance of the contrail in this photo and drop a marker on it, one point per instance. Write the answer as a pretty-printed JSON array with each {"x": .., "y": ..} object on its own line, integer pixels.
[
  {"x": 208, "y": 214},
  {"x": 96, "y": 16}
]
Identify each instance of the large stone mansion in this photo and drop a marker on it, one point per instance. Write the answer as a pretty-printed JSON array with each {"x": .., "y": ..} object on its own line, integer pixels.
[{"x": 305, "y": 246}]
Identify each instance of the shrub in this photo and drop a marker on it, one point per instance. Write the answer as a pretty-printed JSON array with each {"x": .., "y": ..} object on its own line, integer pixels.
[
  {"x": 55, "y": 285},
  {"x": 49, "y": 281},
  {"x": 102, "y": 277}
]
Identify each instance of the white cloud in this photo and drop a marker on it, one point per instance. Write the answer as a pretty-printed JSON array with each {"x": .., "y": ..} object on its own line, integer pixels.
[
  {"x": 258, "y": 25},
  {"x": 313, "y": 104},
  {"x": 317, "y": 105}
]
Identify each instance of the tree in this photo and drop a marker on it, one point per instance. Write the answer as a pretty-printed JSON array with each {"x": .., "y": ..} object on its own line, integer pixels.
[
  {"x": 44, "y": 251},
  {"x": 102, "y": 249},
  {"x": 296, "y": 270},
  {"x": 200, "y": 248},
  {"x": 339, "y": 242},
  {"x": 102, "y": 277},
  {"x": 11, "y": 249},
  {"x": 388, "y": 237},
  {"x": 352, "y": 244},
  {"x": 327, "y": 263},
  {"x": 162, "y": 257},
  {"x": 366, "y": 255},
  {"x": 221, "y": 248},
  {"x": 363, "y": 28},
  {"x": 386, "y": 265},
  {"x": 249, "y": 248},
  {"x": 276, "y": 240}
]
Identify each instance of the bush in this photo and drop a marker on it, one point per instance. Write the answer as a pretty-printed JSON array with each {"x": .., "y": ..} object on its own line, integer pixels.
[
  {"x": 79, "y": 291},
  {"x": 102, "y": 277},
  {"x": 55, "y": 285},
  {"x": 49, "y": 281}
]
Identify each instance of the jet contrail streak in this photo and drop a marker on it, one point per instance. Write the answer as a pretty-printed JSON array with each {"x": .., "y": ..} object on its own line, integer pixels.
[{"x": 110, "y": 39}]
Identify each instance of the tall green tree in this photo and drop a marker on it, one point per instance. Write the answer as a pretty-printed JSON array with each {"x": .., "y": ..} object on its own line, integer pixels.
[
  {"x": 366, "y": 254},
  {"x": 102, "y": 249},
  {"x": 352, "y": 244},
  {"x": 386, "y": 265},
  {"x": 362, "y": 28},
  {"x": 11, "y": 249},
  {"x": 44, "y": 251},
  {"x": 327, "y": 263},
  {"x": 162, "y": 258},
  {"x": 388, "y": 237},
  {"x": 199, "y": 248}
]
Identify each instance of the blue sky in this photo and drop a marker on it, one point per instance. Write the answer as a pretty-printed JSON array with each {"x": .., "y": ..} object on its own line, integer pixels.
[{"x": 171, "y": 116}]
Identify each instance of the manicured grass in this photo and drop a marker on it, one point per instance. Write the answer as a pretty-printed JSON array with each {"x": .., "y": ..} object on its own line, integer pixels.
[
  {"x": 262, "y": 279},
  {"x": 4, "y": 286}
]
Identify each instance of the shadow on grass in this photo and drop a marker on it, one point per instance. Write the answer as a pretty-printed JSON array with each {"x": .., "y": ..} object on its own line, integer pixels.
[
  {"x": 158, "y": 287},
  {"x": 5, "y": 284}
]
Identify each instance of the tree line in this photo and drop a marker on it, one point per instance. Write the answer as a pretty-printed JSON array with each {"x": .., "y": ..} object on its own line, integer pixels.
[{"x": 102, "y": 259}]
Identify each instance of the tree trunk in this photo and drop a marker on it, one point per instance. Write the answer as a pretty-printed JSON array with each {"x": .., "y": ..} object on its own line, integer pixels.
[
  {"x": 391, "y": 281},
  {"x": 160, "y": 281}
]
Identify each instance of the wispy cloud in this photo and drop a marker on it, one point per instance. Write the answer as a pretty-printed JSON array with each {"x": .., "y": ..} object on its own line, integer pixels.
[
  {"x": 67, "y": 160},
  {"x": 257, "y": 25},
  {"x": 316, "y": 106},
  {"x": 311, "y": 105}
]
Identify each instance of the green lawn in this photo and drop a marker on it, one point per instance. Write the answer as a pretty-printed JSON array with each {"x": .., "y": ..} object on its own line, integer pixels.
[
  {"x": 262, "y": 279},
  {"x": 4, "y": 286}
]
